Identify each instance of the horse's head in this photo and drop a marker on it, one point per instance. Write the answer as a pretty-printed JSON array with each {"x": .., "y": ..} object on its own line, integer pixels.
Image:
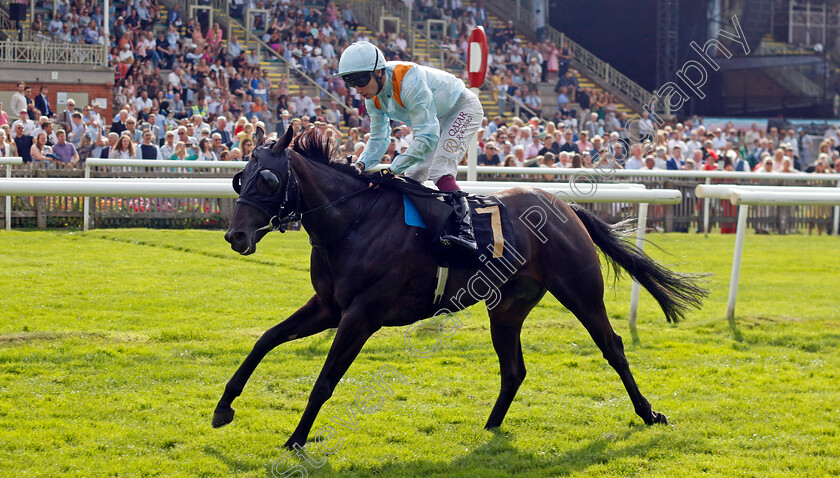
[{"x": 265, "y": 196}]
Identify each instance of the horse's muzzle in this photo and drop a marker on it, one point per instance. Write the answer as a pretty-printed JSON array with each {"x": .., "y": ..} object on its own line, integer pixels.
[{"x": 240, "y": 242}]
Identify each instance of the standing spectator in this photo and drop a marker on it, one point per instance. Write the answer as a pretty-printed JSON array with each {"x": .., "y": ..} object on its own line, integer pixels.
[
  {"x": 221, "y": 130},
  {"x": 124, "y": 148},
  {"x": 636, "y": 161},
  {"x": 148, "y": 149},
  {"x": 18, "y": 99},
  {"x": 539, "y": 24},
  {"x": 676, "y": 161},
  {"x": 78, "y": 130},
  {"x": 303, "y": 104},
  {"x": 4, "y": 118},
  {"x": 65, "y": 151},
  {"x": 6, "y": 148},
  {"x": 168, "y": 148},
  {"x": 284, "y": 121},
  {"x": 105, "y": 152},
  {"x": 43, "y": 103},
  {"x": 205, "y": 150},
  {"x": 534, "y": 73},
  {"x": 65, "y": 118},
  {"x": 565, "y": 60}
]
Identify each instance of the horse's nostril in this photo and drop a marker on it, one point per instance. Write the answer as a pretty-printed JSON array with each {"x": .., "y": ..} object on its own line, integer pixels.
[{"x": 238, "y": 237}]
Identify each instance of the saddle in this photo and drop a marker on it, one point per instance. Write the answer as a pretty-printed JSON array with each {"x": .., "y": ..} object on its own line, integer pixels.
[{"x": 491, "y": 223}]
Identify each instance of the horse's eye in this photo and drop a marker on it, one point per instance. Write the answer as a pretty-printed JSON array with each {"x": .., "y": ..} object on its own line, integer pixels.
[
  {"x": 237, "y": 182},
  {"x": 271, "y": 180}
]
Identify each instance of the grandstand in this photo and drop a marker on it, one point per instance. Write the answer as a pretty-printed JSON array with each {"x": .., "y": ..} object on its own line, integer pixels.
[{"x": 100, "y": 51}]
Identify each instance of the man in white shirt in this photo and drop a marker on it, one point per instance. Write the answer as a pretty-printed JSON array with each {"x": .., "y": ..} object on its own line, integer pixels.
[
  {"x": 28, "y": 124},
  {"x": 646, "y": 127},
  {"x": 635, "y": 161},
  {"x": 143, "y": 101},
  {"x": 55, "y": 25},
  {"x": 674, "y": 142},
  {"x": 199, "y": 125},
  {"x": 719, "y": 142},
  {"x": 692, "y": 145},
  {"x": 18, "y": 98},
  {"x": 303, "y": 104}
]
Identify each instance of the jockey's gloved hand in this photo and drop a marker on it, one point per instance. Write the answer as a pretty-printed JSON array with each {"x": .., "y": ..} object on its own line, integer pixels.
[
  {"x": 381, "y": 176},
  {"x": 360, "y": 166}
]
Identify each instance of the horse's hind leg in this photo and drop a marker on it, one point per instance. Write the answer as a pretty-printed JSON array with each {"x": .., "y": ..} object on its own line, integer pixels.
[
  {"x": 583, "y": 294},
  {"x": 310, "y": 319},
  {"x": 518, "y": 297}
]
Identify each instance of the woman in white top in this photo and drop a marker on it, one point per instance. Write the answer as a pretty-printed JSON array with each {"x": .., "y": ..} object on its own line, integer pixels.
[
  {"x": 5, "y": 149},
  {"x": 205, "y": 150},
  {"x": 124, "y": 149},
  {"x": 39, "y": 149}
]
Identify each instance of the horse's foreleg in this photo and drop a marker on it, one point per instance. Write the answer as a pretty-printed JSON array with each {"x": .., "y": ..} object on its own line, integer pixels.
[
  {"x": 310, "y": 319},
  {"x": 353, "y": 332}
]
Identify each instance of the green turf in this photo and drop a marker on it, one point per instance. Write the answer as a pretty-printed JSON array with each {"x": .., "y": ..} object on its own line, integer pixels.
[{"x": 116, "y": 344}]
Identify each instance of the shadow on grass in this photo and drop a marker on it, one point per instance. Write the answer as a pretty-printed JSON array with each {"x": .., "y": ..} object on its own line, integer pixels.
[
  {"x": 736, "y": 332},
  {"x": 233, "y": 464},
  {"x": 499, "y": 457}
]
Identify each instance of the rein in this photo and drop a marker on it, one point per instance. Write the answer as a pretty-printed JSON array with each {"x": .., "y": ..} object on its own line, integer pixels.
[
  {"x": 355, "y": 223},
  {"x": 288, "y": 211}
]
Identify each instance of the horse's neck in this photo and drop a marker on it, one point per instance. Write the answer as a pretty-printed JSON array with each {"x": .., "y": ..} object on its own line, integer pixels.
[{"x": 319, "y": 185}]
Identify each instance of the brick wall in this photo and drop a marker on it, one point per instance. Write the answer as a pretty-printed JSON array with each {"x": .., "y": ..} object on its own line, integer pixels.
[{"x": 93, "y": 91}]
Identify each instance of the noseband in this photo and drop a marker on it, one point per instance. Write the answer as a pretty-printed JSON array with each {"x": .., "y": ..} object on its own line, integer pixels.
[{"x": 288, "y": 211}]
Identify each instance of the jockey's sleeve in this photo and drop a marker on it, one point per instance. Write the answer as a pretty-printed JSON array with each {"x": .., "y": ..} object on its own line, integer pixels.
[
  {"x": 379, "y": 140},
  {"x": 418, "y": 99}
]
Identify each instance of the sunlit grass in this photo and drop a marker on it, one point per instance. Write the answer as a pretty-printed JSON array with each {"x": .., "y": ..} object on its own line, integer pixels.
[{"x": 116, "y": 344}]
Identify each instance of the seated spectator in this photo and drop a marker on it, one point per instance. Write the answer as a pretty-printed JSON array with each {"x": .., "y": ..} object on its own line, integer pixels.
[
  {"x": 39, "y": 151},
  {"x": 124, "y": 148},
  {"x": 490, "y": 156}
]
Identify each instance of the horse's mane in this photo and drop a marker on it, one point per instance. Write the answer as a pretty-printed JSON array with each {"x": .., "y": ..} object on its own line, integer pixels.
[{"x": 314, "y": 146}]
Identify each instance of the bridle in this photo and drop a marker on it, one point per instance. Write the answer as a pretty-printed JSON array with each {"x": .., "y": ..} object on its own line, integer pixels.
[{"x": 288, "y": 210}]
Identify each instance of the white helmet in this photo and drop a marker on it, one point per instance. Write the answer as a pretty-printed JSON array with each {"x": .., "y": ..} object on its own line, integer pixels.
[{"x": 360, "y": 56}]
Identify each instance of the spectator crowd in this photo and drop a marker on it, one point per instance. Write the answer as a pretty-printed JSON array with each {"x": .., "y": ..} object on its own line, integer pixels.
[{"x": 185, "y": 91}]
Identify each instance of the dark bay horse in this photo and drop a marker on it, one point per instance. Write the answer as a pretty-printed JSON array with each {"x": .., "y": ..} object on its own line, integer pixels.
[{"x": 370, "y": 270}]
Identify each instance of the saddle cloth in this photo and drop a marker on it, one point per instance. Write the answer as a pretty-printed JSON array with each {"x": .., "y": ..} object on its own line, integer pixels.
[
  {"x": 425, "y": 208},
  {"x": 491, "y": 224}
]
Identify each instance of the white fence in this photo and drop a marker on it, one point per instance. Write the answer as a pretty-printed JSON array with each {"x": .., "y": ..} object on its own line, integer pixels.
[
  {"x": 746, "y": 196},
  {"x": 212, "y": 187}
]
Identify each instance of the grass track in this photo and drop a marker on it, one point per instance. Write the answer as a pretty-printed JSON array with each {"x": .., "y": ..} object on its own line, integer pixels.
[{"x": 116, "y": 344}]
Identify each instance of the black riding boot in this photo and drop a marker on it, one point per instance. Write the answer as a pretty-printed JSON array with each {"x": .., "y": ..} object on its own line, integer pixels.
[{"x": 464, "y": 239}]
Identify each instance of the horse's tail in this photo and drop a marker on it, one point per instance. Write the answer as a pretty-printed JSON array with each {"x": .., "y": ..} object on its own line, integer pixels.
[{"x": 675, "y": 292}]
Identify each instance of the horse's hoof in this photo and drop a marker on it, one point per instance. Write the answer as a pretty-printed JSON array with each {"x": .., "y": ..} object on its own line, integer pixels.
[
  {"x": 222, "y": 418},
  {"x": 292, "y": 442},
  {"x": 658, "y": 418}
]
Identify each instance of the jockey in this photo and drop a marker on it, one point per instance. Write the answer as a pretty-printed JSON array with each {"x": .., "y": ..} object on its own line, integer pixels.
[{"x": 443, "y": 113}]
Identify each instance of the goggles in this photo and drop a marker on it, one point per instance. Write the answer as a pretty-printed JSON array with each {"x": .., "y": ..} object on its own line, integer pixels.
[{"x": 357, "y": 80}]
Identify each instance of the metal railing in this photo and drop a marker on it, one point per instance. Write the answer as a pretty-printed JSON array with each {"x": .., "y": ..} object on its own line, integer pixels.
[
  {"x": 6, "y": 23},
  {"x": 49, "y": 53},
  {"x": 369, "y": 12},
  {"x": 222, "y": 16}
]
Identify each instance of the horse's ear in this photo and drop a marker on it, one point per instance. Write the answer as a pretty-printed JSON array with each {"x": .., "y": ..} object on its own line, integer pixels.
[
  {"x": 284, "y": 140},
  {"x": 259, "y": 136}
]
